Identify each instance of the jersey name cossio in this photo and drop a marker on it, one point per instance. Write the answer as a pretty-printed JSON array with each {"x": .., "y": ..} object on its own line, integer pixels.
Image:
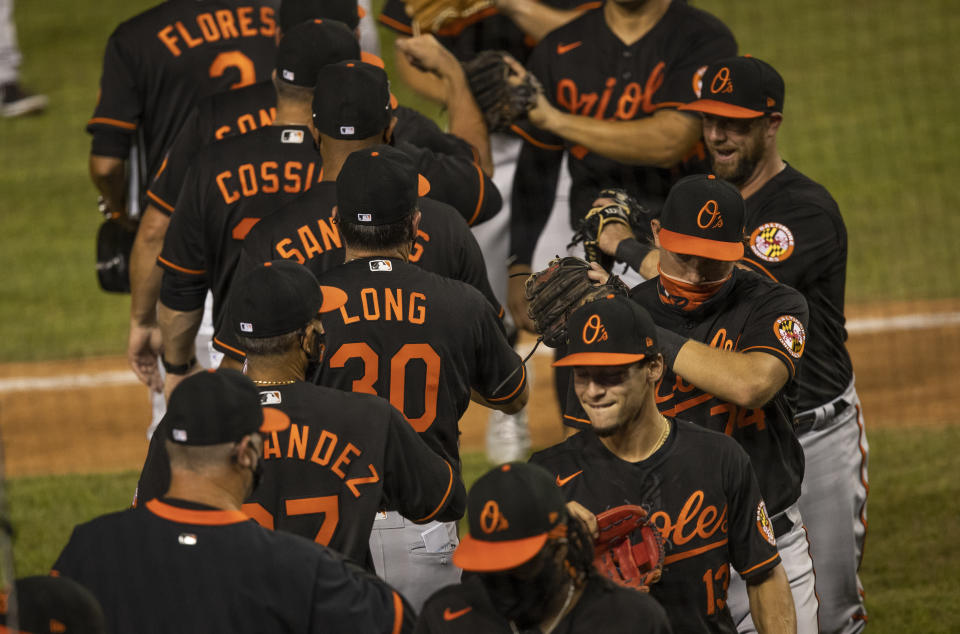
[
  {"x": 420, "y": 341},
  {"x": 344, "y": 454},
  {"x": 159, "y": 63},
  {"x": 798, "y": 238},
  {"x": 231, "y": 185},
  {"x": 216, "y": 117},
  {"x": 703, "y": 496},
  {"x": 749, "y": 313},
  {"x": 586, "y": 69},
  {"x": 465, "y": 608}
]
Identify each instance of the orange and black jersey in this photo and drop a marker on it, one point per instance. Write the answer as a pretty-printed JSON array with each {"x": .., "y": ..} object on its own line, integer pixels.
[
  {"x": 231, "y": 185},
  {"x": 419, "y": 340},
  {"x": 160, "y": 62},
  {"x": 701, "y": 492},
  {"x": 303, "y": 230},
  {"x": 587, "y": 70},
  {"x": 798, "y": 238},
  {"x": 176, "y": 566},
  {"x": 604, "y": 607}
]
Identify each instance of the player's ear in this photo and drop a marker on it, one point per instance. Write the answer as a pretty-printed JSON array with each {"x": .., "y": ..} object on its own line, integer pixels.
[
  {"x": 655, "y": 229},
  {"x": 656, "y": 369},
  {"x": 388, "y": 133},
  {"x": 773, "y": 123}
]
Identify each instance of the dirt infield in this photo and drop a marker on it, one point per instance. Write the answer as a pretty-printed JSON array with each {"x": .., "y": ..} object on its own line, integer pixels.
[{"x": 904, "y": 377}]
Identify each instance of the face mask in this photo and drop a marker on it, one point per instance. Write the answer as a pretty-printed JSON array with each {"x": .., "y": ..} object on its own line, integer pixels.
[{"x": 522, "y": 599}]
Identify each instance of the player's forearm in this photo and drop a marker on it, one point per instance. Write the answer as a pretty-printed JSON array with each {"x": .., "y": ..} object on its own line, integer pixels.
[
  {"x": 145, "y": 275},
  {"x": 510, "y": 407},
  {"x": 465, "y": 118},
  {"x": 535, "y": 18},
  {"x": 179, "y": 330},
  {"x": 748, "y": 379},
  {"x": 424, "y": 83},
  {"x": 771, "y": 604},
  {"x": 108, "y": 174},
  {"x": 659, "y": 141}
]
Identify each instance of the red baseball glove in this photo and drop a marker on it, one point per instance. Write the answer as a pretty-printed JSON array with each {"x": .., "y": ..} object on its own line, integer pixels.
[{"x": 629, "y": 550}]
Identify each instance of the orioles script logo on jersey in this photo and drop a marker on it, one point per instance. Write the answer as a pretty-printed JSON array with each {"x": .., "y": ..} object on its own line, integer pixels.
[
  {"x": 632, "y": 97},
  {"x": 695, "y": 520},
  {"x": 268, "y": 177},
  {"x": 593, "y": 330},
  {"x": 216, "y": 26},
  {"x": 791, "y": 334},
  {"x": 772, "y": 242},
  {"x": 721, "y": 81},
  {"x": 709, "y": 216},
  {"x": 491, "y": 519},
  {"x": 764, "y": 525}
]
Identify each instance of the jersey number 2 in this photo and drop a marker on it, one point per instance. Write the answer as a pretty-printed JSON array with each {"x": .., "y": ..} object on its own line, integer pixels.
[
  {"x": 327, "y": 505},
  {"x": 234, "y": 59},
  {"x": 398, "y": 376}
]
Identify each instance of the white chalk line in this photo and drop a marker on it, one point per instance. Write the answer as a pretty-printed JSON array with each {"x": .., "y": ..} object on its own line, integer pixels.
[{"x": 126, "y": 377}]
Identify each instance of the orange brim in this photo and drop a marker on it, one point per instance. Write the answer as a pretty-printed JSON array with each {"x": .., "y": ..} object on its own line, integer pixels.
[
  {"x": 370, "y": 58},
  {"x": 692, "y": 245},
  {"x": 423, "y": 185},
  {"x": 711, "y": 106},
  {"x": 274, "y": 420},
  {"x": 482, "y": 556},
  {"x": 598, "y": 358},
  {"x": 333, "y": 298}
]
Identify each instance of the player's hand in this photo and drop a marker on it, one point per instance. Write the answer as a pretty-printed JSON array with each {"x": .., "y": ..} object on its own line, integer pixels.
[
  {"x": 143, "y": 354},
  {"x": 426, "y": 53},
  {"x": 173, "y": 380},
  {"x": 598, "y": 274},
  {"x": 517, "y": 298},
  {"x": 584, "y": 515}
]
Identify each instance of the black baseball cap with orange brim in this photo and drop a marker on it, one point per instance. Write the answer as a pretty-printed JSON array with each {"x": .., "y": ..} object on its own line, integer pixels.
[
  {"x": 512, "y": 511},
  {"x": 613, "y": 330},
  {"x": 739, "y": 88},
  {"x": 703, "y": 216}
]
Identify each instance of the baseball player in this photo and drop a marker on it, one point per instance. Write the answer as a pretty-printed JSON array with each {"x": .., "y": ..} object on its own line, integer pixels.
[
  {"x": 303, "y": 230},
  {"x": 192, "y": 561},
  {"x": 324, "y": 476},
  {"x": 732, "y": 341},
  {"x": 532, "y": 565},
  {"x": 797, "y": 237},
  {"x": 697, "y": 485},
  {"x": 426, "y": 343}
]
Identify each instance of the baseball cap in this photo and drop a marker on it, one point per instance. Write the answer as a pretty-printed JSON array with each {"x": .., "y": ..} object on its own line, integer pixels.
[
  {"x": 279, "y": 297},
  {"x": 613, "y": 330},
  {"x": 218, "y": 406},
  {"x": 511, "y": 511},
  {"x": 310, "y": 46},
  {"x": 739, "y": 88},
  {"x": 294, "y": 12},
  {"x": 352, "y": 100},
  {"x": 703, "y": 215},
  {"x": 378, "y": 185},
  {"x": 47, "y": 604}
]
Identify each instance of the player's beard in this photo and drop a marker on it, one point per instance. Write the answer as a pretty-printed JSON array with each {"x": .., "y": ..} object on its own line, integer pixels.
[{"x": 749, "y": 156}]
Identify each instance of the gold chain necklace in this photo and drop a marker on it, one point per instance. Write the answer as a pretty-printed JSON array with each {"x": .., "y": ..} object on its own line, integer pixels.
[
  {"x": 291, "y": 382},
  {"x": 663, "y": 436}
]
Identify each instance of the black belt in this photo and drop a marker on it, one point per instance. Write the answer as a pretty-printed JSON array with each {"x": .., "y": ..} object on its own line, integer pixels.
[
  {"x": 782, "y": 525},
  {"x": 805, "y": 421}
]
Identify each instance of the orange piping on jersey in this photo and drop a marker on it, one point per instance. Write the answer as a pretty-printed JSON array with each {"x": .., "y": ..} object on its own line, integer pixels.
[
  {"x": 501, "y": 313},
  {"x": 759, "y": 565},
  {"x": 588, "y": 6},
  {"x": 190, "y": 516},
  {"x": 523, "y": 380},
  {"x": 180, "y": 268},
  {"x": 397, "y": 613},
  {"x": 395, "y": 24},
  {"x": 163, "y": 166},
  {"x": 160, "y": 201},
  {"x": 529, "y": 139},
  {"x": 443, "y": 501},
  {"x": 793, "y": 368},
  {"x": 54, "y": 572},
  {"x": 578, "y": 420},
  {"x": 668, "y": 104},
  {"x": 866, "y": 486},
  {"x": 695, "y": 551},
  {"x": 114, "y": 122},
  {"x": 687, "y": 404},
  {"x": 806, "y": 536},
  {"x": 241, "y": 353},
  {"x": 476, "y": 212},
  {"x": 759, "y": 266}
]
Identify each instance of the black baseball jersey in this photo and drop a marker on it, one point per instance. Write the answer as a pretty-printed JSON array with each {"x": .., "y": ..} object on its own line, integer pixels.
[
  {"x": 231, "y": 185},
  {"x": 303, "y": 230},
  {"x": 701, "y": 492},
  {"x": 587, "y": 70},
  {"x": 177, "y": 566},
  {"x": 419, "y": 340},
  {"x": 604, "y": 607},
  {"x": 798, "y": 238},
  {"x": 160, "y": 62}
]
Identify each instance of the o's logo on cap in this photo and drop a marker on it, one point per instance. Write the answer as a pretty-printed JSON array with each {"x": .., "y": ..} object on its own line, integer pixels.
[
  {"x": 721, "y": 81},
  {"x": 490, "y": 518},
  {"x": 709, "y": 216},
  {"x": 593, "y": 330}
]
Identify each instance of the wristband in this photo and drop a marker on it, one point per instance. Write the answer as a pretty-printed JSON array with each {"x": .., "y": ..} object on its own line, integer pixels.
[
  {"x": 632, "y": 252},
  {"x": 179, "y": 369},
  {"x": 670, "y": 344}
]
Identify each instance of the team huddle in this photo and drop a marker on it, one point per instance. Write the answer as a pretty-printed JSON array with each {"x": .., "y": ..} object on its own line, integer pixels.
[{"x": 323, "y": 280}]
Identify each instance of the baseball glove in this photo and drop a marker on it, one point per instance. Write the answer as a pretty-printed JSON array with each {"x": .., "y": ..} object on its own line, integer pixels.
[
  {"x": 626, "y": 210},
  {"x": 430, "y": 15},
  {"x": 557, "y": 291},
  {"x": 629, "y": 550},
  {"x": 502, "y": 88}
]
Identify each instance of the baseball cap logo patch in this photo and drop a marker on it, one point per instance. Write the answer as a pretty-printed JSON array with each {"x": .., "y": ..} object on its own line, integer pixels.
[
  {"x": 347, "y": 129},
  {"x": 288, "y": 75},
  {"x": 246, "y": 326},
  {"x": 721, "y": 81},
  {"x": 593, "y": 330},
  {"x": 709, "y": 216},
  {"x": 491, "y": 519},
  {"x": 791, "y": 334},
  {"x": 364, "y": 217}
]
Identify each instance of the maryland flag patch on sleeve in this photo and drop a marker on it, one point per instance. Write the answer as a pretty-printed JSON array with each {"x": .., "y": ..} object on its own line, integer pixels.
[
  {"x": 791, "y": 334},
  {"x": 764, "y": 525}
]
